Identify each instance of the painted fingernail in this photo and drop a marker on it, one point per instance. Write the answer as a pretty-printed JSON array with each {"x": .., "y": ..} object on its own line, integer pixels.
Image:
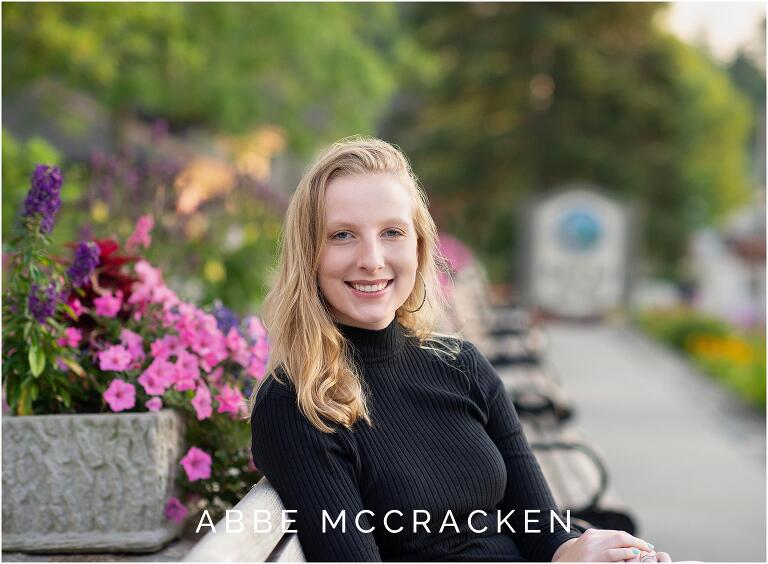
[
  {"x": 649, "y": 544},
  {"x": 635, "y": 551}
]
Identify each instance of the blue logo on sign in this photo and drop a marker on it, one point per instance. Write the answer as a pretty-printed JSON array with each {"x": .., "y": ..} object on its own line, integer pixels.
[{"x": 579, "y": 231}]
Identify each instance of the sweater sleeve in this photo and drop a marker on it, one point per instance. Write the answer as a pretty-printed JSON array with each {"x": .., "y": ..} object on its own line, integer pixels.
[
  {"x": 312, "y": 471},
  {"x": 526, "y": 488}
]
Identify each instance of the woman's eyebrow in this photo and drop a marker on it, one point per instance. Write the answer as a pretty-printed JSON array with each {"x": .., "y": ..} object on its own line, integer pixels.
[{"x": 391, "y": 221}]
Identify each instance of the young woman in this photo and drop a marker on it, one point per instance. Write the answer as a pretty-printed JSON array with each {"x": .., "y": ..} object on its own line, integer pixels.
[{"x": 389, "y": 440}]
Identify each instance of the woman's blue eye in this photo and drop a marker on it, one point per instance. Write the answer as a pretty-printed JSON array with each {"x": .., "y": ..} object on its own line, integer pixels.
[{"x": 344, "y": 235}]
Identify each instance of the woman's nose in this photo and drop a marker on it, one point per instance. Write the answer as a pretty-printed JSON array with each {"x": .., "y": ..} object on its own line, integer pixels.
[{"x": 371, "y": 256}]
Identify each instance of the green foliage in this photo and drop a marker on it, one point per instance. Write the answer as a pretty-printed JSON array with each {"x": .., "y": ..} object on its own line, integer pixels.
[
  {"x": 30, "y": 376},
  {"x": 733, "y": 358},
  {"x": 320, "y": 71},
  {"x": 531, "y": 96},
  {"x": 675, "y": 326}
]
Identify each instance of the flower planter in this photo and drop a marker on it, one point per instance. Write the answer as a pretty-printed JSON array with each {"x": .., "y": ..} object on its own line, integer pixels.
[{"x": 89, "y": 483}]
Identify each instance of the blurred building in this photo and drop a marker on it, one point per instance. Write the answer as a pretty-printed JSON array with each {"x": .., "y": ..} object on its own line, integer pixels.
[{"x": 729, "y": 267}]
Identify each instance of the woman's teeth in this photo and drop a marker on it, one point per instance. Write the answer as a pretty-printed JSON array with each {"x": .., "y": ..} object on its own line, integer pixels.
[{"x": 376, "y": 288}]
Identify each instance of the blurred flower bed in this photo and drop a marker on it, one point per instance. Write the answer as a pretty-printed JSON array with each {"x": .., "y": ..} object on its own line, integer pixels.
[
  {"x": 216, "y": 222},
  {"x": 732, "y": 356},
  {"x": 93, "y": 327}
]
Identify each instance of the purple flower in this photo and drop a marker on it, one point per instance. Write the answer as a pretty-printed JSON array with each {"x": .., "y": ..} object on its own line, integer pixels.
[
  {"x": 44, "y": 196},
  {"x": 159, "y": 129},
  {"x": 175, "y": 510},
  {"x": 225, "y": 318},
  {"x": 86, "y": 259},
  {"x": 44, "y": 307}
]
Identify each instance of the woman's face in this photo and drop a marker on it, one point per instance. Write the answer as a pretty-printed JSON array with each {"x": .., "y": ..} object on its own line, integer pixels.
[{"x": 369, "y": 258}]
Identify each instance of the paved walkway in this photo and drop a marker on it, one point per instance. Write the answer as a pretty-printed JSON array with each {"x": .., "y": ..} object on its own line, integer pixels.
[{"x": 685, "y": 456}]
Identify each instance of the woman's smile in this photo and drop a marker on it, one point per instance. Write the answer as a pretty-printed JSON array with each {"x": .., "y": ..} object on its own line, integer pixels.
[{"x": 369, "y": 290}]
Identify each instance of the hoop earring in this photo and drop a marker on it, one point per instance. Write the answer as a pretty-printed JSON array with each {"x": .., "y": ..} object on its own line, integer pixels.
[{"x": 424, "y": 299}]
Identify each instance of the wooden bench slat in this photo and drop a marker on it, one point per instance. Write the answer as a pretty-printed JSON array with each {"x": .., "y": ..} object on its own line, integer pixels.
[{"x": 246, "y": 545}]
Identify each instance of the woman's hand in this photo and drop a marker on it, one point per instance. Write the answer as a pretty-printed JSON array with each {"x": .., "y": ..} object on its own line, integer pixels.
[{"x": 600, "y": 545}]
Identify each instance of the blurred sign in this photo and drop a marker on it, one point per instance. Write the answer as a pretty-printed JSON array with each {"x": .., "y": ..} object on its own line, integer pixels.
[{"x": 577, "y": 255}]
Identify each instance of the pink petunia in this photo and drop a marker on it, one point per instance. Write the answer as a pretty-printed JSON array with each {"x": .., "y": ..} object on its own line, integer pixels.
[
  {"x": 202, "y": 403},
  {"x": 141, "y": 234},
  {"x": 153, "y": 380},
  {"x": 133, "y": 343},
  {"x": 77, "y": 307},
  {"x": 215, "y": 376},
  {"x": 168, "y": 346},
  {"x": 120, "y": 395},
  {"x": 154, "y": 404},
  {"x": 186, "y": 372},
  {"x": 256, "y": 329},
  {"x": 109, "y": 304},
  {"x": 197, "y": 464},
  {"x": 256, "y": 368},
  {"x": 230, "y": 400},
  {"x": 261, "y": 349},
  {"x": 175, "y": 510},
  {"x": 72, "y": 337},
  {"x": 115, "y": 358}
]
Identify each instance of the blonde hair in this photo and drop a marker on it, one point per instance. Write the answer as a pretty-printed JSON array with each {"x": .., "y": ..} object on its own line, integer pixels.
[{"x": 305, "y": 344}]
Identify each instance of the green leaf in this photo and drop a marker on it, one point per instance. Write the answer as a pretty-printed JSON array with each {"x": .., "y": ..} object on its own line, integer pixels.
[
  {"x": 36, "y": 360},
  {"x": 74, "y": 366},
  {"x": 69, "y": 311}
]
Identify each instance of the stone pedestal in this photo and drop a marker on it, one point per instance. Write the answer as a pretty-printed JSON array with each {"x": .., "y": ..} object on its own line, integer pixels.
[{"x": 91, "y": 482}]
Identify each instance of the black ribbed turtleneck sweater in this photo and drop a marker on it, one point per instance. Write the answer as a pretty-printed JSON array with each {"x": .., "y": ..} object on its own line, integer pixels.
[{"x": 445, "y": 439}]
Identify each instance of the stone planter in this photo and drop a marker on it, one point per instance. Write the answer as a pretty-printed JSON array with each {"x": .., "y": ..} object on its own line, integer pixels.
[{"x": 91, "y": 482}]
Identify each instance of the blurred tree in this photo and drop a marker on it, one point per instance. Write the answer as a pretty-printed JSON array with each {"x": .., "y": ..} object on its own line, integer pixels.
[
  {"x": 532, "y": 95},
  {"x": 319, "y": 71},
  {"x": 749, "y": 77}
]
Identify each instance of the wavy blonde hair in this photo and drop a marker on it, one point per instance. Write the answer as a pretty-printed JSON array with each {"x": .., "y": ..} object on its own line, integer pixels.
[{"x": 305, "y": 344}]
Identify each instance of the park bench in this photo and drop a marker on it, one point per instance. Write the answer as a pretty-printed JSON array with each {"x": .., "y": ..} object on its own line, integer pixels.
[
  {"x": 247, "y": 545},
  {"x": 572, "y": 465},
  {"x": 576, "y": 474},
  {"x": 516, "y": 350}
]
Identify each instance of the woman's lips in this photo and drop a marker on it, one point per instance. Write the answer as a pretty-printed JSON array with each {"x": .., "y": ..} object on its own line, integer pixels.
[{"x": 376, "y": 294}]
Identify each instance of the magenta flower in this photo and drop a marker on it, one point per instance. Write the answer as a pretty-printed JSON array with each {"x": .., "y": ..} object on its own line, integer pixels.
[
  {"x": 109, "y": 304},
  {"x": 120, "y": 395},
  {"x": 202, "y": 403},
  {"x": 256, "y": 368},
  {"x": 152, "y": 379},
  {"x": 197, "y": 464},
  {"x": 186, "y": 371},
  {"x": 133, "y": 343},
  {"x": 114, "y": 358},
  {"x": 168, "y": 346},
  {"x": 234, "y": 341},
  {"x": 230, "y": 400},
  {"x": 72, "y": 337},
  {"x": 261, "y": 349},
  {"x": 175, "y": 510},
  {"x": 154, "y": 404},
  {"x": 215, "y": 376},
  {"x": 140, "y": 236},
  {"x": 255, "y": 329},
  {"x": 77, "y": 307}
]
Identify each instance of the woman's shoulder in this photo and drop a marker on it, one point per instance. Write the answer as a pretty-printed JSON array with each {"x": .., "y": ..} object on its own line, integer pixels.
[
  {"x": 479, "y": 369},
  {"x": 276, "y": 394}
]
